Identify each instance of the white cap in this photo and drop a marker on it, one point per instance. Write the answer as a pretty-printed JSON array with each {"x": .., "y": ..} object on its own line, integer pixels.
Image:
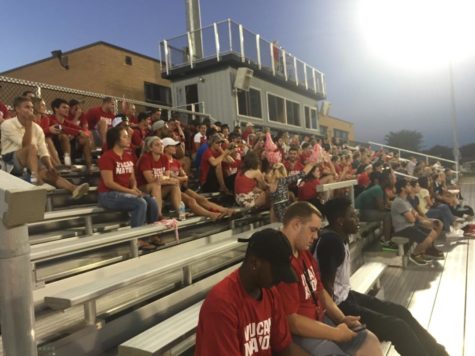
[
  {"x": 118, "y": 120},
  {"x": 168, "y": 141}
]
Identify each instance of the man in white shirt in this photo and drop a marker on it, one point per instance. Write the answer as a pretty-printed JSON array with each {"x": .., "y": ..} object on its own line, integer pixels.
[{"x": 23, "y": 146}]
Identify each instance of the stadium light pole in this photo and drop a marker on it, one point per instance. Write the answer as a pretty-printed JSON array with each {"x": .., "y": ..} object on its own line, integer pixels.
[{"x": 453, "y": 112}]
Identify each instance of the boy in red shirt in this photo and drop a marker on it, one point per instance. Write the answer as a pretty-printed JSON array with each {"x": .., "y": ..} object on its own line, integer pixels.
[
  {"x": 243, "y": 314},
  {"x": 99, "y": 120},
  {"x": 316, "y": 322},
  {"x": 211, "y": 169}
]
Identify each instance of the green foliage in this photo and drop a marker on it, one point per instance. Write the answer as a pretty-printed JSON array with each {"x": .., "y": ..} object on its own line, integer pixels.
[{"x": 407, "y": 139}]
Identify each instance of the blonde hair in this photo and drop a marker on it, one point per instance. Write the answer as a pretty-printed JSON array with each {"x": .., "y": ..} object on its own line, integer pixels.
[{"x": 147, "y": 147}]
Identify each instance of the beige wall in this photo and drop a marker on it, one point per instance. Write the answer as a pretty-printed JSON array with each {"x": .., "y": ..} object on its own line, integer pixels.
[
  {"x": 335, "y": 123},
  {"x": 98, "y": 68}
]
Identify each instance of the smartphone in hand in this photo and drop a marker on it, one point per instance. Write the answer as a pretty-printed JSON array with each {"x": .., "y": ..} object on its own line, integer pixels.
[{"x": 359, "y": 328}]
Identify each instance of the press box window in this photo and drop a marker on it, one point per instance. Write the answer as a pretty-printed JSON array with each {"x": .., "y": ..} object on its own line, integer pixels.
[
  {"x": 293, "y": 113},
  {"x": 249, "y": 103},
  {"x": 157, "y": 94},
  {"x": 276, "y": 108}
]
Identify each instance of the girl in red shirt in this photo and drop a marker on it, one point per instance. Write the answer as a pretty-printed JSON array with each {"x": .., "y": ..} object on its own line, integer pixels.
[{"x": 117, "y": 188}]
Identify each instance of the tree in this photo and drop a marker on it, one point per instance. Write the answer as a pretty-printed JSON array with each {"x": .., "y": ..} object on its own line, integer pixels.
[
  {"x": 441, "y": 151},
  {"x": 407, "y": 139}
]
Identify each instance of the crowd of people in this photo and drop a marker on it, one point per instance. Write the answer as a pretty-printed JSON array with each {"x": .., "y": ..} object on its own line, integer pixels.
[{"x": 291, "y": 295}]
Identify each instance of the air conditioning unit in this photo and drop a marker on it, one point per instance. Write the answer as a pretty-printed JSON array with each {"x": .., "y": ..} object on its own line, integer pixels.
[
  {"x": 243, "y": 78},
  {"x": 325, "y": 108}
]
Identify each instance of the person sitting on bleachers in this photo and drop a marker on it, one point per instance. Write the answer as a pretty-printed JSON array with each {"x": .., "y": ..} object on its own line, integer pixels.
[
  {"x": 316, "y": 322},
  {"x": 211, "y": 169},
  {"x": 434, "y": 210},
  {"x": 404, "y": 220},
  {"x": 43, "y": 119},
  {"x": 70, "y": 135},
  {"x": 117, "y": 188},
  {"x": 199, "y": 138},
  {"x": 152, "y": 175},
  {"x": 250, "y": 187},
  {"x": 293, "y": 163},
  {"x": 141, "y": 130},
  {"x": 24, "y": 147},
  {"x": 99, "y": 120},
  {"x": 243, "y": 314},
  {"x": 388, "y": 321},
  {"x": 198, "y": 204},
  {"x": 373, "y": 205}
]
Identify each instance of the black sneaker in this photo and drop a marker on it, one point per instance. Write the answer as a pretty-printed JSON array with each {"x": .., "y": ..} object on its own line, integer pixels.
[
  {"x": 418, "y": 259},
  {"x": 389, "y": 246},
  {"x": 433, "y": 253}
]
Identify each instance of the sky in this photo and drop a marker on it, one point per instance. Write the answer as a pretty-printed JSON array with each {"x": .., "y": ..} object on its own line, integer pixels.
[{"x": 376, "y": 94}]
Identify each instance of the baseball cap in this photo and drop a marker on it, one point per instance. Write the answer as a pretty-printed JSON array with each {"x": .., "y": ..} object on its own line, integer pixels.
[
  {"x": 168, "y": 141},
  {"x": 158, "y": 125},
  {"x": 73, "y": 102},
  {"x": 119, "y": 119},
  {"x": 272, "y": 246}
]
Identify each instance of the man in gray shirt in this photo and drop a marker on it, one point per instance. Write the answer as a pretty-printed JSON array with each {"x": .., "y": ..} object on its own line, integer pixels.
[{"x": 404, "y": 220}]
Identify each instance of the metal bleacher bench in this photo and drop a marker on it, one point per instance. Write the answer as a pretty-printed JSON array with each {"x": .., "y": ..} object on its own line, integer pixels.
[
  {"x": 367, "y": 277},
  {"x": 151, "y": 341},
  {"x": 137, "y": 270}
]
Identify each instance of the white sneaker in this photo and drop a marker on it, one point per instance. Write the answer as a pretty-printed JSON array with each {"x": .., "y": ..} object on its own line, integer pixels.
[{"x": 80, "y": 191}]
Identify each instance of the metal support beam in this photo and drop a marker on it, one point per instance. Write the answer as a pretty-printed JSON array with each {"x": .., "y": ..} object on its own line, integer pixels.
[
  {"x": 20, "y": 203},
  {"x": 88, "y": 225},
  {"x": 90, "y": 312}
]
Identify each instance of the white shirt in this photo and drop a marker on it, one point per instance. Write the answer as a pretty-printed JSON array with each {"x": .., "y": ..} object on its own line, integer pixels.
[
  {"x": 12, "y": 137},
  {"x": 197, "y": 138},
  {"x": 341, "y": 286}
]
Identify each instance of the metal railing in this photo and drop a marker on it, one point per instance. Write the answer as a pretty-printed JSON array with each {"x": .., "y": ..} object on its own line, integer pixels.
[
  {"x": 227, "y": 37},
  {"x": 414, "y": 153},
  {"x": 13, "y": 87}
]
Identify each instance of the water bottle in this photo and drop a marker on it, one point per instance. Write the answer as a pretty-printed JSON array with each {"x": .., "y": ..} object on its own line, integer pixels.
[
  {"x": 67, "y": 159},
  {"x": 181, "y": 212}
]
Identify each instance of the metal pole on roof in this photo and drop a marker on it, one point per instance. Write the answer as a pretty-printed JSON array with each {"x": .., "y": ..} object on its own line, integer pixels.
[{"x": 193, "y": 25}]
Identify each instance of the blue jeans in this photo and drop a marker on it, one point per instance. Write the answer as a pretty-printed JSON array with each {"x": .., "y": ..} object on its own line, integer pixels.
[
  {"x": 141, "y": 208},
  {"x": 442, "y": 212}
]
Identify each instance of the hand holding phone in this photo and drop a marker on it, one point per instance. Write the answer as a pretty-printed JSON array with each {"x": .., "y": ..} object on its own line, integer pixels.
[{"x": 359, "y": 328}]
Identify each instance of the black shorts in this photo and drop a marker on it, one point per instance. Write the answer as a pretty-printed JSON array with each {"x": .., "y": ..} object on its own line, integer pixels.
[{"x": 414, "y": 233}]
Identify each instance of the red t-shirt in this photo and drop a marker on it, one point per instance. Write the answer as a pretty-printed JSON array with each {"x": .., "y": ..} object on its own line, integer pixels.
[
  {"x": 93, "y": 115},
  {"x": 297, "y": 297},
  {"x": 147, "y": 163},
  {"x": 67, "y": 126},
  {"x": 204, "y": 166},
  {"x": 363, "y": 180},
  {"x": 233, "y": 323},
  {"x": 122, "y": 169},
  {"x": 174, "y": 166},
  {"x": 308, "y": 189},
  {"x": 243, "y": 184},
  {"x": 4, "y": 110},
  {"x": 138, "y": 137},
  {"x": 293, "y": 169}
]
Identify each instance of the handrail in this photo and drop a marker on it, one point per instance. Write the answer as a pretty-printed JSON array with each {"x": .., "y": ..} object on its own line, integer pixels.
[
  {"x": 404, "y": 175},
  {"x": 412, "y": 152},
  {"x": 337, "y": 185}
]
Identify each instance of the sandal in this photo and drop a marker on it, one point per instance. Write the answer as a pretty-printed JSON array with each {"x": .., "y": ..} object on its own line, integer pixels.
[{"x": 144, "y": 245}]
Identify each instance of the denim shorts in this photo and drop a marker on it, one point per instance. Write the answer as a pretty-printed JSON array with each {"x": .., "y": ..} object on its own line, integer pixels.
[{"x": 11, "y": 159}]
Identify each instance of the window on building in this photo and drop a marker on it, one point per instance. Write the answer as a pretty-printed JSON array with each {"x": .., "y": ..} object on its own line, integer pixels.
[
  {"x": 249, "y": 103},
  {"x": 276, "y": 108},
  {"x": 340, "y": 135},
  {"x": 314, "y": 118},
  {"x": 157, "y": 94},
  {"x": 128, "y": 60},
  {"x": 324, "y": 131},
  {"x": 307, "y": 117},
  {"x": 293, "y": 113}
]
